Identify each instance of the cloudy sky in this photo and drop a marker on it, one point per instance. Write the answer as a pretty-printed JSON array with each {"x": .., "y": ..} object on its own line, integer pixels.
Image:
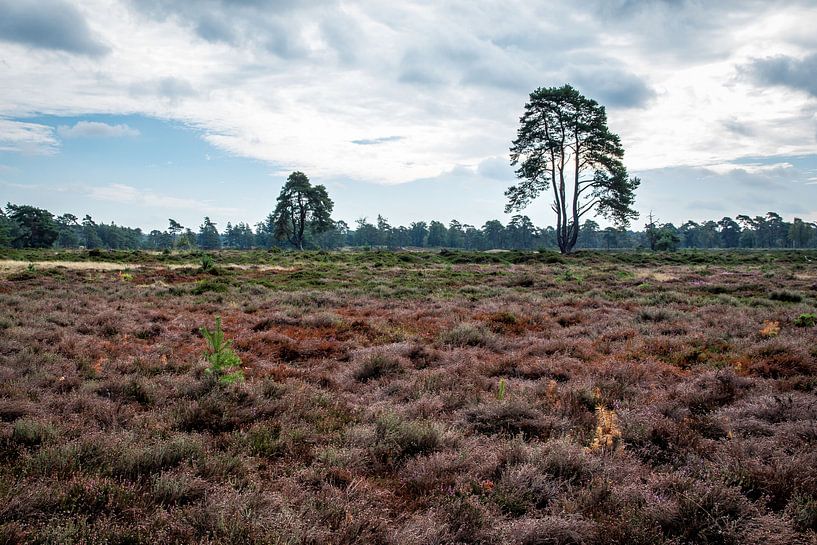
[{"x": 140, "y": 110}]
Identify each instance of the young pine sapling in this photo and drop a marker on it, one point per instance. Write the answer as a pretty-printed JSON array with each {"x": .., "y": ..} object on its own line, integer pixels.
[{"x": 224, "y": 362}]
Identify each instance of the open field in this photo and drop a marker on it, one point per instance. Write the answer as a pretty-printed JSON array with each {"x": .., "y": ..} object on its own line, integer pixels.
[{"x": 410, "y": 398}]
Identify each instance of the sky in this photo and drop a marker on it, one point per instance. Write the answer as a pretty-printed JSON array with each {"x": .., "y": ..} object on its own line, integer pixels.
[{"x": 136, "y": 111}]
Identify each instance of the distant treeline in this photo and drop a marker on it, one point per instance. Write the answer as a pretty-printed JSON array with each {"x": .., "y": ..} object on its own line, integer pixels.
[{"x": 23, "y": 226}]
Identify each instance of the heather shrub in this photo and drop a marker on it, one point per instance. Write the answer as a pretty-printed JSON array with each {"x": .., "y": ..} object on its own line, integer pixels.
[
  {"x": 32, "y": 433},
  {"x": 149, "y": 332},
  {"x": 564, "y": 461},
  {"x": 264, "y": 440},
  {"x": 553, "y": 530},
  {"x": 467, "y": 334},
  {"x": 11, "y": 533},
  {"x": 397, "y": 439},
  {"x": 769, "y": 529},
  {"x": 422, "y": 356},
  {"x": 504, "y": 318},
  {"x": 272, "y": 389},
  {"x": 436, "y": 472},
  {"x": 710, "y": 391},
  {"x": 93, "y": 495},
  {"x": 522, "y": 281},
  {"x": 366, "y": 420},
  {"x": 522, "y": 488},
  {"x": 128, "y": 389},
  {"x": 524, "y": 368},
  {"x": 466, "y": 521},
  {"x": 228, "y": 515},
  {"x": 509, "y": 417},
  {"x": 204, "y": 286},
  {"x": 506, "y": 322},
  {"x": 786, "y": 296},
  {"x": 662, "y": 441},
  {"x": 209, "y": 413},
  {"x": 134, "y": 462},
  {"x": 12, "y": 409},
  {"x": 708, "y": 512},
  {"x": 656, "y": 315},
  {"x": 773, "y": 408},
  {"x": 266, "y": 323},
  {"x": 569, "y": 319},
  {"x": 568, "y": 275},
  {"x": 105, "y": 324},
  {"x": 176, "y": 488},
  {"x": 323, "y": 319},
  {"x": 802, "y": 509},
  {"x": 779, "y": 358},
  {"x": 422, "y": 527},
  {"x": 580, "y": 349},
  {"x": 376, "y": 366},
  {"x": 62, "y": 460}
]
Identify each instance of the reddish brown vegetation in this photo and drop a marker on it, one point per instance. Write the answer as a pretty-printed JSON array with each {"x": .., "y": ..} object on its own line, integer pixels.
[{"x": 639, "y": 409}]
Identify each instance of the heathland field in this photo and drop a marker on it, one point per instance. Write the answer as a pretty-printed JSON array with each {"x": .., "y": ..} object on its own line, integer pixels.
[{"x": 409, "y": 398}]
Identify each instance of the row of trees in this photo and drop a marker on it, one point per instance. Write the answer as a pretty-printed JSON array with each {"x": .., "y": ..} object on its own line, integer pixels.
[
  {"x": 563, "y": 148},
  {"x": 769, "y": 231},
  {"x": 24, "y": 226}
]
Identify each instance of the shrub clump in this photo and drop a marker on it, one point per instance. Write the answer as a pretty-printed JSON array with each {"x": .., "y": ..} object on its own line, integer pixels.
[
  {"x": 468, "y": 334},
  {"x": 397, "y": 439},
  {"x": 204, "y": 286},
  {"x": 553, "y": 530},
  {"x": 655, "y": 315},
  {"x": 523, "y": 281},
  {"x": 32, "y": 433},
  {"x": 522, "y": 488},
  {"x": 421, "y": 356},
  {"x": 786, "y": 296},
  {"x": 375, "y": 367},
  {"x": 264, "y": 440},
  {"x": 171, "y": 488},
  {"x": 507, "y": 417},
  {"x": 802, "y": 509},
  {"x": 136, "y": 462}
]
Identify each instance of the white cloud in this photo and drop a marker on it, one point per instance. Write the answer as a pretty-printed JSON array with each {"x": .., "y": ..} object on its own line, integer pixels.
[
  {"x": 31, "y": 138},
  {"x": 449, "y": 78},
  {"x": 95, "y": 129},
  {"x": 750, "y": 168},
  {"x": 126, "y": 194}
]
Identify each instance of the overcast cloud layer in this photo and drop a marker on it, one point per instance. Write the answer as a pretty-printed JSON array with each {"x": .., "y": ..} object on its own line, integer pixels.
[{"x": 397, "y": 92}]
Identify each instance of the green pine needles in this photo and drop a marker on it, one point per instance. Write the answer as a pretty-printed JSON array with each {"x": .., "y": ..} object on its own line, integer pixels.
[
  {"x": 806, "y": 320},
  {"x": 500, "y": 392},
  {"x": 224, "y": 363},
  {"x": 207, "y": 263}
]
